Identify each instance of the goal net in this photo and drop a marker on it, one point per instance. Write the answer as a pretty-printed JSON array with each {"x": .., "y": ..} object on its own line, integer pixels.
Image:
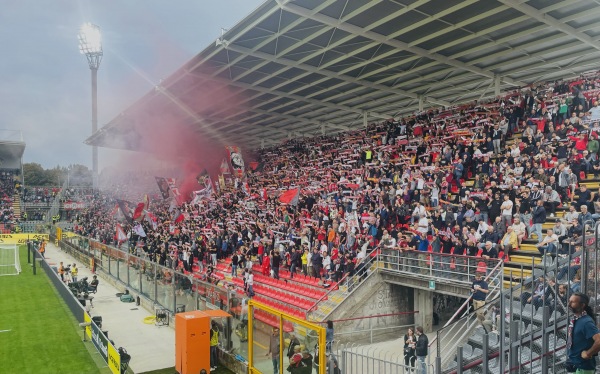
[{"x": 10, "y": 263}]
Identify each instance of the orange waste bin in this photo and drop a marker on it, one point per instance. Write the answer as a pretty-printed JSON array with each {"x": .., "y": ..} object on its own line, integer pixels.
[{"x": 192, "y": 340}]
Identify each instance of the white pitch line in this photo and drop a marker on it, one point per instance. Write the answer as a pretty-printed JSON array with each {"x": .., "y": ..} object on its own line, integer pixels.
[{"x": 5, "y": 330}]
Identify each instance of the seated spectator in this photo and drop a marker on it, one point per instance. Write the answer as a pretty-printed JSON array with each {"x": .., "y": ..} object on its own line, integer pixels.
[
  {"x": 584, "y": 198},
  {"x": 489, "y": 251},
  {"x": 509, "y": 241},
  {"x": 585, "y": 217},
  {"x": 571, "y": 215},
  {"x": 576, "y": 282},
  {"x": 548, "y": 245},
  {"x": 519, "y": 229},
  {"x": 561, "y": 299},
  {"x": 569, "y": 270},
  {"x": 541, "y": 291},
  {"x": 551, "y": 200},
  {"x": 489, "y": 236}
]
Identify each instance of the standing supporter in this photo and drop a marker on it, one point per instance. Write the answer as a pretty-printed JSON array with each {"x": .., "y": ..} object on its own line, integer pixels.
[
  {"x": 538, "y": 217},
  {"x": 410, "y": 341},
  {"x": 421, "y": 349},
  {"x": 479, "y": 291},
  {"x": 583, "y": 337}
]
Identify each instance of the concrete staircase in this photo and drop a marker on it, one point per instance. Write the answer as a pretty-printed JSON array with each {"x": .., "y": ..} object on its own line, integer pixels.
[
  {"x": 521, "y": 260},
  {"x": 336, "y": 297},
  {"x": 16, "y": 204}
]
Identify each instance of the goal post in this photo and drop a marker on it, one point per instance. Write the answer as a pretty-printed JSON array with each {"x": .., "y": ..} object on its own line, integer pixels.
[{"x": 10, "y": 262}]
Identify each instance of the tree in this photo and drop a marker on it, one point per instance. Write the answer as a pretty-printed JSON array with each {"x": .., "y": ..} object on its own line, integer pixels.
[
  {"x": 75, "y": 176},
  {"x": 35, "y": 175}
]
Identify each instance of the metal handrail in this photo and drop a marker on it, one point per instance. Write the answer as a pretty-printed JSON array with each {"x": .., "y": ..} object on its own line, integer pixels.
[
  {"x": 340, "y": 336},
  {"x": 438, "y": 265},
  {"x": 350, "y": 284},
  {"x": 584, "y": 255},
  {"x": 465, "y": 305},
  {"x": 326, "y": 295},
  {"x": 373, "y": 316}
]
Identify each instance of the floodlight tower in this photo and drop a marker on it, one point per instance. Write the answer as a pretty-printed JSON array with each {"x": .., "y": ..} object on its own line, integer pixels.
[{"x": 90, "y": 44}]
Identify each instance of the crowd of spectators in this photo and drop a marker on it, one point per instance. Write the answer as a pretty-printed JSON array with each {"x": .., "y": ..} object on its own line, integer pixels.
[
  {"x": 8, "y": 187},
  {"x": 458, "y": 181},
  {"x": 40, "y": 195}
]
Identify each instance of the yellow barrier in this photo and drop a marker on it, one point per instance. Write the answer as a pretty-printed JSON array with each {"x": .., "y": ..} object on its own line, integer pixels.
[
  {"x": 284, "y": 321},
  {"x": 21, "y": 238},
  {"x": 107, "y": 350}
]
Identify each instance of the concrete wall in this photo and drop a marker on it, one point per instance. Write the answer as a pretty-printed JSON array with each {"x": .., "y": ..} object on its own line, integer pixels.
[{"x": 374, "y": 297}]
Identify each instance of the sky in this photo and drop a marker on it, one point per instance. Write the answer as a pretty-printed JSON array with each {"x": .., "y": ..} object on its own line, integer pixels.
[{"x": 45, "y": 90}]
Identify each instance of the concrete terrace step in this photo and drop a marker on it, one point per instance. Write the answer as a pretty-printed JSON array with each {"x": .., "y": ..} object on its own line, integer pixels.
[
  {"x": 547, "y": 225},
  {"x": 525, "y": 260},
  {"x": 516, "y": 272},
  {"x": 528, "y": 249},
  {"x": 508, "y": 284},
  {"x": 590, "y": 184}
]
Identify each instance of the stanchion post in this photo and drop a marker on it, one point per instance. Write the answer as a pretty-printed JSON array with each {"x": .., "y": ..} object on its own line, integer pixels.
[{"x": 34, "y": 262}]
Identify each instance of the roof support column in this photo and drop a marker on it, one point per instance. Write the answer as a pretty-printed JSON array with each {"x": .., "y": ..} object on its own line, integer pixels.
[
  {"x": 497, "y": 82},
  {"x": 365, "y": 122},
  {"x": 421, "y": 103},
  {"x": 262, "y": 143}
]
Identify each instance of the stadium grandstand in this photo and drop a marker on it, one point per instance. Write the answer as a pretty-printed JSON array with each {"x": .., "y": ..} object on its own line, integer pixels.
[
  {"x": 12, "y": 148},
  {"x": 397, "y": 153}
]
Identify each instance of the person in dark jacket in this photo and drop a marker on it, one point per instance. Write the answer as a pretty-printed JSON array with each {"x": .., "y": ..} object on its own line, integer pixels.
[
  {"x": 317, "y": 263},
  {"x": 421, "y": 350},
  {"x": 494, "y": 207},
  {"x": 410, "y": 341},
  {"x": 296, "y": 261},
  {"x": 538, "y": 217},
  {"x": 307, "y": 361},
  {"x": 294, "y": 342},
  {"x": 276, "y": 262}
]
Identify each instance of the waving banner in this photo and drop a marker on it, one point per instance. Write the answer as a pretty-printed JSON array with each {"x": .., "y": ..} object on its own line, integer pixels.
[
  {"x": 163, "y": 186},
  {"x": 236, "y": 160}
]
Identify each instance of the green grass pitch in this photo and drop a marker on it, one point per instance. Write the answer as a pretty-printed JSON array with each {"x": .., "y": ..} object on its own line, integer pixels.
[{"x": 38, "y": 333}]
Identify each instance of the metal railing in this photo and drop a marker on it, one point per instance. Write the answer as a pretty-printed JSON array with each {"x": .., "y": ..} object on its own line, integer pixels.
[
  {"x": 590, "y": 267},
  {"x": 325, "y": 305},
  {"x": 516, "y": 329},
  {"x": 32, "y": 227},
  {"x": 458, "y": 270},
  {"x": 55, "y": 206},
  {"x": 462, "y": 323},
  {"x": 373, "y": 326},
  {"x": 165, "y": 287},
  {"x": 358, "y": 359}
]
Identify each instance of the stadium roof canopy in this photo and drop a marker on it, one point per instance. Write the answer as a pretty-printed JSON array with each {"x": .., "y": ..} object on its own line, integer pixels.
[{"x": 303, "y": 67}]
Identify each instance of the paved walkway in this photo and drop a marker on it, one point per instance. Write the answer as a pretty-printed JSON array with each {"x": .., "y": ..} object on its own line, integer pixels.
[{"x": 150, "y": 347}]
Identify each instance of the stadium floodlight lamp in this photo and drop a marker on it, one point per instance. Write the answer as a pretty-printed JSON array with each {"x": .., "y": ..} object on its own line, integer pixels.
[{"x": 90, "y": 44}]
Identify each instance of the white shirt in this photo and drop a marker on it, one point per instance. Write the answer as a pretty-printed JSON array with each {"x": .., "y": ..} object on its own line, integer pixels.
[
  {"x": 551, "y": 238},
  {"x": 419, "y": 210},
  {"x": 423, "y": 225},
  {"x": 507, "y": 206},
  {"x": 595, "y": 113},
  {"x": 518, "y": 229},
  {"x": 482, "y": 228}
]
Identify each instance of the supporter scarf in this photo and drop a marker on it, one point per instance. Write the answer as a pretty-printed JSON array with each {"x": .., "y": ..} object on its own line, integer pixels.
[{"x": 570, "y": 330}]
